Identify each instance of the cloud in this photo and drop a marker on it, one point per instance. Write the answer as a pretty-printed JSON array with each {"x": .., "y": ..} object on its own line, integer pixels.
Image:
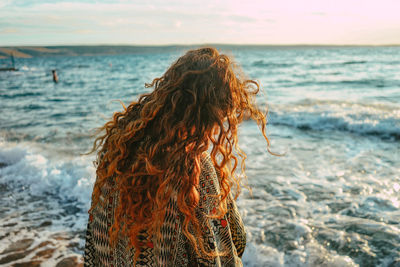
[
  {"x": 5, "y": 3},
  {"x": 318, "y": 13},
  {"x": 173, "y": 21},
  {"x": 9, "y": 30},
  {"x": 84, "y": 31},
  {"x": 178, "y": 24}
]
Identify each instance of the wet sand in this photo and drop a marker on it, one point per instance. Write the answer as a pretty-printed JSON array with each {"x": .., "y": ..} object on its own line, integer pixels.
[{"x": 34, "y": 235}]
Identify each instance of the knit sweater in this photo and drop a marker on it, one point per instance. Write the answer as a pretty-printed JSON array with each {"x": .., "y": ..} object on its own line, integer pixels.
[{"x": 172, "y": 248}]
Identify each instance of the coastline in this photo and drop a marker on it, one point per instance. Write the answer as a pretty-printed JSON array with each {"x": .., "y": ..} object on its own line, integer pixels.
[{"x": 92, "y": 50}]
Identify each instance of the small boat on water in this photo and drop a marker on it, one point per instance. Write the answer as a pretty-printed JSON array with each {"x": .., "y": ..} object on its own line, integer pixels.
[{"x": 10, "y": 68}]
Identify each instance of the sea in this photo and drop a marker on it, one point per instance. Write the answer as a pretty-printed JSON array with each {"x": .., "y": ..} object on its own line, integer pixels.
[{"x": 332, "y": 197}]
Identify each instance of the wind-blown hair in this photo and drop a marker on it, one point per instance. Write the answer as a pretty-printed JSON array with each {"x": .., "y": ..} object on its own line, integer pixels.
[{"x": 153, "y": 148}]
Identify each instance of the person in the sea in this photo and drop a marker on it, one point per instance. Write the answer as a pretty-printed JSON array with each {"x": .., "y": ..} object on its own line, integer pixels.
[
  {"x": 169, "y": 168},
  {"x": 55, "y": 77}
]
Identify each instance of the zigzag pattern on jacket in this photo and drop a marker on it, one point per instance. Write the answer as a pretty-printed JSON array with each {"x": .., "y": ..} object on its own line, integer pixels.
[{"x": 172, "y": 248}]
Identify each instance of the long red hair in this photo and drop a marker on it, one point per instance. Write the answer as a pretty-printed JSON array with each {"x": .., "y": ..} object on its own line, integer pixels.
[{"x": 154, "y": 145}]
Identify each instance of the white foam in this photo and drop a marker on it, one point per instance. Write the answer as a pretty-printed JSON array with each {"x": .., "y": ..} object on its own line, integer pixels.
[
  {"x": 262, "y": 255},
  {"x": 71, "y": 177},
  {"x": 375, "y": 119}
]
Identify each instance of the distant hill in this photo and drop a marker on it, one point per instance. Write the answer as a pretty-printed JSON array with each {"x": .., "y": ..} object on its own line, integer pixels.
[
  {"x": 88, "y": 50},
  {"x": 49, "y": 51}
]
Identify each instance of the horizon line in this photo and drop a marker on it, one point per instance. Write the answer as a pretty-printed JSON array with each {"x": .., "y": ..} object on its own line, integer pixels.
[{"x": 201, "y": 44}]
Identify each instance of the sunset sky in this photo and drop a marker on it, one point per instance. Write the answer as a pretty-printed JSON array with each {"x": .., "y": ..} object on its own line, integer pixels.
[{"x": 158, "y": 22}]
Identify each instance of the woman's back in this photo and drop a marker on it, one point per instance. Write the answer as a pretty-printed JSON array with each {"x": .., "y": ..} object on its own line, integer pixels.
[
  {"x": 157, "y": 199},
  {"x": 172, "y": 248}
]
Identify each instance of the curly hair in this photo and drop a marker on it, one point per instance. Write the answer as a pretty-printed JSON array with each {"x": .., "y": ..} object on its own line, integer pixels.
[{"x": 152, "y": 149}]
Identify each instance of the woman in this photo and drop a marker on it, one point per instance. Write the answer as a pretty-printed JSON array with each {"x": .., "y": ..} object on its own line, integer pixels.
[{"x": 160, "y": 199}]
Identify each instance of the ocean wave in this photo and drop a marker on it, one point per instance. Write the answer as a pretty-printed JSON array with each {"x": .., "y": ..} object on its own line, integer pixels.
[
  {"x": 28, "y": 68},
  {"x": 347, "y": 64},
  {"x": 70, "y": 179},
  {"x": 262, "y": 63},
  {"x": 17, "y": 95},
  {"x": 378, "y": 120},
  {"x": 45, "y": 198},
  {"x": 378, "y": 83},
  {"x": 351, "y": 62},
  {"x": 32, "y": 106}
]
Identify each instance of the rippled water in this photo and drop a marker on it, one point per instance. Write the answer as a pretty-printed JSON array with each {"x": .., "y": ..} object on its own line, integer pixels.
[{"x": 333, "y": 199}]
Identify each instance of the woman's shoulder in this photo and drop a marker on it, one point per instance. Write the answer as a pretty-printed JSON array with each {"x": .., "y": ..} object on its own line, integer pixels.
[
  {"x": 206, "y": 161},
  {"x": 208, "y": 180}
]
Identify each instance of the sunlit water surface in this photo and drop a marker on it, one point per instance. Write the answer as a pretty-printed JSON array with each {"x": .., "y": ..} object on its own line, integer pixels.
[{"x": 333, "y": 199}]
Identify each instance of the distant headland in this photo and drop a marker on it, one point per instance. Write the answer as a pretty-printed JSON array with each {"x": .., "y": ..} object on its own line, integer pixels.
[
  {"x": 49, "y": 51},
  {"x": 90, "y": 50}
]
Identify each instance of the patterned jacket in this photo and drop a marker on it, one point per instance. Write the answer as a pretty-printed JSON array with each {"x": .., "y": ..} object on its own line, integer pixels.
[{"x": 173, "y": 249}]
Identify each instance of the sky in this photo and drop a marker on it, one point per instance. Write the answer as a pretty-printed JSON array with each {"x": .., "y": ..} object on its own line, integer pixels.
[{"x": 161, "y": 22}]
